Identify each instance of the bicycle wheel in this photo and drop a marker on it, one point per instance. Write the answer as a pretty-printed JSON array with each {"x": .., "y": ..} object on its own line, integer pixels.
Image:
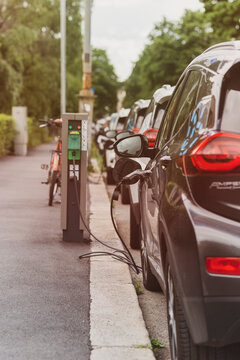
[{"x": 53, "y": 187}]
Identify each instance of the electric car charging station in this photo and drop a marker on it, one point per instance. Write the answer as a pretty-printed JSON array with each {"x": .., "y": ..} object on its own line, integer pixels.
[{"x": 74, "y": 176}]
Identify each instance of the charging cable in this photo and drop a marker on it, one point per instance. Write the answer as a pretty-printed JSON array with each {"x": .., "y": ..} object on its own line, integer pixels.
[{"x": 121, "y": 255}]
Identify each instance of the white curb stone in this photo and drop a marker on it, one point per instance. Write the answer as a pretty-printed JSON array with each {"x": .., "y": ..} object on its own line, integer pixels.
[{"x": 117, "y": 328}]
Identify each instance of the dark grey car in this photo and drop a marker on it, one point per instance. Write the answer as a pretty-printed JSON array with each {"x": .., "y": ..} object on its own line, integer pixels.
[{"x": 190, "y": 207}]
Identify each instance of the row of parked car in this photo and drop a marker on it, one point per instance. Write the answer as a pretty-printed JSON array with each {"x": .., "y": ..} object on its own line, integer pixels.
[{"x": 184, "y": 187}]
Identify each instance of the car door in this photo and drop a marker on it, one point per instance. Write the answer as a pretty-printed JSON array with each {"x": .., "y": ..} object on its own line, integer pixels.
[
  {"x": 150, "y": 194},
  {"x": 159, "y": 182}
]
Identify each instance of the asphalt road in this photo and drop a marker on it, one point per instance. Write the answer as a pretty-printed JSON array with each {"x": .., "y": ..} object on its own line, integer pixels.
[
  {"x": 153, "y": 304},
  {"x": 44, "y": 302}
]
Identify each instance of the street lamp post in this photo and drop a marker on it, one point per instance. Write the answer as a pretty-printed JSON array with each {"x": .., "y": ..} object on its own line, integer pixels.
[
  {"x": 63, "y": 54},
  {"x": 86, "y": 96}
]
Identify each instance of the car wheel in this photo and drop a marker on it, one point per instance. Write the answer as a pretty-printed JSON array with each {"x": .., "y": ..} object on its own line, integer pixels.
[
  {"x": 149, "y": 280},
  {"x": 125, "y": 194},
  {"x": 181, "y": 344},
  {"x": 110, "y": 180},
  {"x": 134, "y": 231}
]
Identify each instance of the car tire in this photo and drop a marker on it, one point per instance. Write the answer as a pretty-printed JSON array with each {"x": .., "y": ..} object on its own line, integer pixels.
[
  {"x": 181, "y": 344},
  {"x": 134, "y": 231},
  {"x": 110, "y": 179},
  {"x": 125, "y": 194},
  {"x": 149, "y": 280}
]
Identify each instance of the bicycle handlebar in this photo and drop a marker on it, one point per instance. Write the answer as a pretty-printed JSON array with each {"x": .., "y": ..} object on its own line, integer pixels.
[{"x": 49, "y": 122}]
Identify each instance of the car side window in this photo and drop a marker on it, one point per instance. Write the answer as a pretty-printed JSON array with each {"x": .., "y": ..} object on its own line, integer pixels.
[
  {"x": 147, "y": 118},
  {"x": 230, "y": 100},
  {"x": 200, "y": 116},
  {"x": 186, "y": 103},
  {"x": 164, "y": 128},
  {"x": 159, "y": 115},
  {"x": 205, "y": 102},
  {"x": 140, "y": 117}
]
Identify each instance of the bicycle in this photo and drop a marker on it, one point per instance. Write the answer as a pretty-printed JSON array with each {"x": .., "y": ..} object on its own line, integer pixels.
[{"x": 54, "y": 173}]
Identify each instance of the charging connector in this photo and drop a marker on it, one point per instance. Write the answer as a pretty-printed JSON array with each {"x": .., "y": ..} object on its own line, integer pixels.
[{"x": 124, "y": 256}]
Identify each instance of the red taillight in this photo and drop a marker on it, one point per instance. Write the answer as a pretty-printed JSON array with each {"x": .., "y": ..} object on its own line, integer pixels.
[
  {"x": 135, "y": 130},
  {"x": 223, "y": 265},
  {"x": 151, "y": 135},
  {"x": 219, "y": 152}
]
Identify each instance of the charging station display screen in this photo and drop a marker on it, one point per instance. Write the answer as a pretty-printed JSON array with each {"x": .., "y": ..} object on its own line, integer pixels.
[{"x": 74, "y": 144}]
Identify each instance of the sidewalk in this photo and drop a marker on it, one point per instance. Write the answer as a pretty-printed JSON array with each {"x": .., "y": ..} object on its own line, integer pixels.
[{"x": 117, "y": 328}]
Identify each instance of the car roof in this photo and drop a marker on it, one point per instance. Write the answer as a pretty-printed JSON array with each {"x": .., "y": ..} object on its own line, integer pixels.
[
  {"x": 219, "y": 58},
  {"x": 162, "y": 94},
  {"x": 123, "y": 112},
  {"x": 142, "y": 103}
]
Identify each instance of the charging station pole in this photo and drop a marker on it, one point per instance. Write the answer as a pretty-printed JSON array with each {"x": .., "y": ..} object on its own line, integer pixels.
[{"x": 74, "y": 159}]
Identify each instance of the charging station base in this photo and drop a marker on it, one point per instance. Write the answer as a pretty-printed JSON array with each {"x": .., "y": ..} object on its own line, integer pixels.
[{"x": 73, "y": 235}]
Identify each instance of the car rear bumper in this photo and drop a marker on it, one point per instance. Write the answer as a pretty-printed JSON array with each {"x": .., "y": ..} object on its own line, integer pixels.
[{"x": 213, "y": 320}]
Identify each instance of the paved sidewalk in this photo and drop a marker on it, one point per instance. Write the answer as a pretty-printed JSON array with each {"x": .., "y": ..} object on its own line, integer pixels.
[
  {"x": 44, "y": 294},
  {"x": 117, "y": 328}
]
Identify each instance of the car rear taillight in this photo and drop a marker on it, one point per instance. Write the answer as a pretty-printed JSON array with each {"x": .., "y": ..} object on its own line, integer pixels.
[
  {"x": 135, "y": 130},
  {"x": 151, "y": 135},
  {"x": 223, "y": 265},
  {"x": 219, "y": 152}
]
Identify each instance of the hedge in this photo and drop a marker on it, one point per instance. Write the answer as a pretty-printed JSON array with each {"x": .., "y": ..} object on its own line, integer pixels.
[
  {"x": 36, "y": 136},
  {"x": 7, "y": 134}
]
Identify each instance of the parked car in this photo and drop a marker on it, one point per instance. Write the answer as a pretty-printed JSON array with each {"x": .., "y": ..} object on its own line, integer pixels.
[
  {"x": 154, "y": 113},
  {"x": 104, "y": 125},
  {"x": 136, "y": 115},
  {"x": 109, "y": 156},
  {"x": 132, "y": 125},
  {"x": 190, "y": 207},
  {"x": 149, "y": 127}
]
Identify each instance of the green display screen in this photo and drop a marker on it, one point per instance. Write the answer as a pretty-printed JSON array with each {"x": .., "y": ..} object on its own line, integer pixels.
[{"x": 74, "y": 144}]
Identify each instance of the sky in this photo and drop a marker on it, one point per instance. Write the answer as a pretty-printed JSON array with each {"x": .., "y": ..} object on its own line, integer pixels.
[{"x": 121, "y": 27}]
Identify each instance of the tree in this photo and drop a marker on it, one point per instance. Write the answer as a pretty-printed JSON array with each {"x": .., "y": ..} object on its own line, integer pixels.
[
  {"x": 172, "y": 45},
  {"x": 105, "y": 84},
  {"x": 30, "y": 55},
  {"x": 224, "y": 17}
]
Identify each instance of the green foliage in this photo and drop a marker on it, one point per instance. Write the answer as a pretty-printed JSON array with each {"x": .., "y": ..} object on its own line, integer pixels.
[
  {"x": 36, "y": 135},
  {"x": 96, "y": 155},
  {"x": 156, "y": 344},
  {"x": 138, "y": 287},
  {"x": 7, "y": 134},
  {"x": 104, "y": 81},
  {"x": 172, "y": 46},
  {"x": 224, "y": 17},
  {"x": 30, "y": 55}
]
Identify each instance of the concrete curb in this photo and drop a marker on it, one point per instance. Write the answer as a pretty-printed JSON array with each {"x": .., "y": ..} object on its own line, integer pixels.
[{"x": 117, "y": 328}]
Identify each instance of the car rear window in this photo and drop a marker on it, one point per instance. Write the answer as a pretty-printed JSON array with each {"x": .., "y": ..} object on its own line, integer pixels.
[
  {"x": 230, "y": 117},
  {"x": 121, "y": 122},
  {"x": 140, "y": 118},
  {"x": 231, "y": 101}
]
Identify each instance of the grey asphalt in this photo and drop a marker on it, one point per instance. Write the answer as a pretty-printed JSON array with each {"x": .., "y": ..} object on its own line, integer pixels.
[{"x": 44, "y": 288}]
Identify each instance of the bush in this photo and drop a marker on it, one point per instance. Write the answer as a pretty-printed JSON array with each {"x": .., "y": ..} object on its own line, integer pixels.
[
  {"x": 36, "y": 135},
  {"x": 7, "y": 134}
]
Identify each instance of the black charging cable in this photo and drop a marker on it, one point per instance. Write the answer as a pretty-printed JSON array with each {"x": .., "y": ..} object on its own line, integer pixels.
[{"x": 121, "y": 255}]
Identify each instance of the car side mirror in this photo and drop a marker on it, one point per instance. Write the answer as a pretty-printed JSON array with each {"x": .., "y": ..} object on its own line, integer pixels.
[
  {"x": 133, "y": 146},
  {"x": 111, "y": 134},
  {"x": 123, "y": 134}
]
